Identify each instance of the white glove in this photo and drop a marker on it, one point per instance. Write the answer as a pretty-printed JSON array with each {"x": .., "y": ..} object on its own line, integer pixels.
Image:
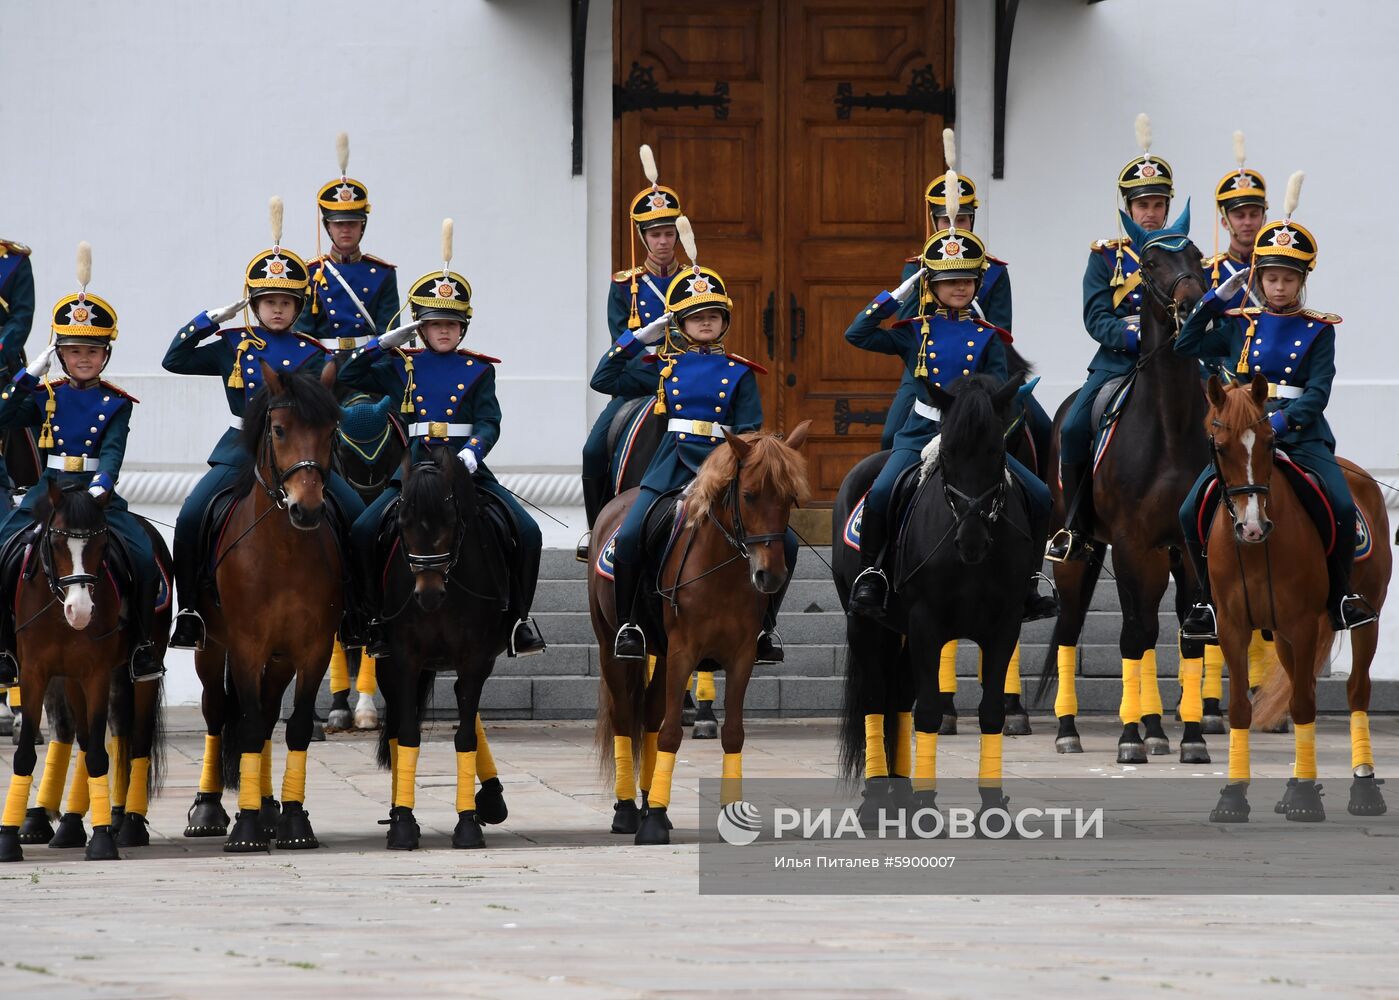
[
  {"x": 1233, "y": 285},
  {"x": 96, "y": 492},
  {"x": 468, "y": 459},
  {"x": 903, "y": 291},
  {"x": 39, "y": 367},
  {"x": 654, "y": 331},
  {"x": 226, "y": 313},
  {"x": 399, "y": 335}
]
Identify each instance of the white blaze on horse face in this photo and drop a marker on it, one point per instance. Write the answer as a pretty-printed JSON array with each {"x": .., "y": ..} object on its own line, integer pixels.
[
  {"x": 77, "y": 598},
  {"x": 1253, "y": 527}
]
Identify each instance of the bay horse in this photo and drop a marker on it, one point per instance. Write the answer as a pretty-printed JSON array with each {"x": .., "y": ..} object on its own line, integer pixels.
[
  {"x": 1267, "y": 570},
  {"x": 69, "y": 626},
  {"x": 272, "y": 616},
  {"x": 446, "y": 585},
  {"x": 1138, "y": 487},
  {"x": 714, "y": 582},
  {"x": 961, "y": 563}
]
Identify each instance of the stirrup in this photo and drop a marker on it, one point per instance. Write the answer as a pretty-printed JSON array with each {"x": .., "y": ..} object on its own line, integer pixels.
[
  {"x": 9, "y": 669},
  {"x": 153, "y": 675},
  {"x": 1207, "y": 630},
  {"x": 532, "y": 631},
  {"x": 580, "y": 551},
  {"x": 775, "y": 651},
  {"x": 626, "y": 629},
  {"x": 875, "y": 573},
  {"x": 186, "y": 615},
  {"x": 1070, "y": 545},
  {"x": 1363, "y": 611}
]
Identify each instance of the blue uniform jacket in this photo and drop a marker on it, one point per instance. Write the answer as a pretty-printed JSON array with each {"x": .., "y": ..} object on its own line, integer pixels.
[
  {"x": 1110, "y": 314},
  {"x": 650, "y": 304},
  {"x": 957, "y": 345},
  {"x": 16, "y": 303},
  {"x": 332, "y": 317},
  {"x": 90, "y": 427}
]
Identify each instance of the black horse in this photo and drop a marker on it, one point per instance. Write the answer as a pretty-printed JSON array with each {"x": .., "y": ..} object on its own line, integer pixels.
[
  {"x": 447, "y": 591},
  {"x": 960, "y": 565}
]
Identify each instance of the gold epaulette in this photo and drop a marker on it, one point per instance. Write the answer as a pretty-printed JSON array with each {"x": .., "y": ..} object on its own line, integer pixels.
[
  {"x": 627, "y": 273},
  {"x": 1211, "y": 261},
  {"x": 113, "y": 387},
  {"x": 476, "y": 354},
  {"x": 1323, "y": 317},
  {"x": 1244, "y": 311},
  {"x": 995, "y": 260},
  {"x": 10, "y": 246},
  {"x": 1111, "y": 244}
]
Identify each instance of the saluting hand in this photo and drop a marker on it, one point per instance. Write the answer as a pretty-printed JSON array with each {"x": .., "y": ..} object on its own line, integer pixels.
[
  {"x": 39, "y": 367},
  {"x": 654, "y": 331},
  {"x": 1233, "y": 284},
  {"x": 901, "y": 293},
  {"x": 400, "y": 335},
  {"x": 226, "y": 313}
]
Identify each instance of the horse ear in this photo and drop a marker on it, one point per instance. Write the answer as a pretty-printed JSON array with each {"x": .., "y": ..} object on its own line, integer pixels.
[
  {"x": 329, "y": 374},
  {"x": 741, "y": 447},
  {"x": 1005, "y": 395},
  {"x": 270, "y": 378},
  {"x": 941, "y": 398},
  {"x": 797, "y": 437},
  {"x": 1259, "y": 388},
  {"x": 405, "y": 465},
  {"x": 1214, "y": 390},
  {"x": 55, "y": 494}
]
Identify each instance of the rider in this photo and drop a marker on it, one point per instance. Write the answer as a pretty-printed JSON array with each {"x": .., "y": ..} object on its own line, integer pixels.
[
  {"x": 16, "y": 318},
  {"x": 636, "y": 297},
  {"x": 1112, "y": 303},
  {"x": 84, "y": 422},
  {"x": 1295, "y": 349},
  {"x": 275, "y": 287},
  {"x": 930, "y": 343},
  {"x": 1241, "y": 197},
  {"x": 449, "y": 394}
]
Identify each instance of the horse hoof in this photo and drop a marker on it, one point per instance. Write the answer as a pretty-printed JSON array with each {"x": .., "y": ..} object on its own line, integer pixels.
[
  {"x": 490, "y": 802},
  {"x": 1017, "y": 725},
  {"x": 9, "y": 844},
  {"x": 317, "y": 731},
  {"x": 1365, "y": 797},
  {"x": 1068, "y": 744},
  {"x": 626, "y": 817},
  {"x": 1131, "y": 753},
  {"x": 247, "y": 835},
  {"x": 1286, "y": 800},
  {"x": 339, "y": 720},
  {"x": 134, "y": 832},
  {"x": 646, "y": 808},
  {"x": 366, "y": 713},
  {"x": 949, "y": 726},
  {"x": 706, "y": 729},
  {"x": 403, "y": 830},
  {"x": 36, "y": 828},
  {"x": 207, "y": 817},
  {"x": 876, "y": 802},
  {"x": 294, "y": 831},
  {"x": 118, "y": 818},
  {"x": 1305, "y": 805},
  {"x": 1194, "y": 753},
  {"x": 901, "y": 795},
  {"x": 1213, "y": 725},
  {"x": 468, "y": 836},
  {"x": 1232, "y": 806},
  {"x": 1158, "y": 745},
  {"x": 991, "y": 799},
  {"x": 102, "y": 847},
  {"x": 654, "y": 828},
  {"x": 70, "y": 833},
  {"x": 268, "y": 814}
]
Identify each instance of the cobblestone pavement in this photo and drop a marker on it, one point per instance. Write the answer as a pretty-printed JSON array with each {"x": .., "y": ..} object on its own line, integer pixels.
[{"x": 557, "y": 906}]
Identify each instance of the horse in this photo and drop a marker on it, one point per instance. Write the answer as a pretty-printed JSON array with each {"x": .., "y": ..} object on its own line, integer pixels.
[
  {"x": 714, "y": 582},
  {"x": 1136, "y": 496},
  {"x": 966, "y": 523},
  {"x": 1267, "y": 570},
  {"x": 369, "y": 446},
  {"x": 271, "y": 616},
  {"x": 445, "y": 584},
  {"x": 70, "y": 626}
]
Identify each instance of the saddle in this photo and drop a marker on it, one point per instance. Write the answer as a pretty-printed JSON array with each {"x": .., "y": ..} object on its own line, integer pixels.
[
  {"x": 659, "y": 534},
  {"x": 900, "y": 504},
  {"x": 622, "y": 433},
  {"x": 1106, "y": 408},
  {"x": 1307, "y": 486}
]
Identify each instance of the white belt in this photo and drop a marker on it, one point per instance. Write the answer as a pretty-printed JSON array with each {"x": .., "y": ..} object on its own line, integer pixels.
[
  {"x": 1276, "y": 391},
  {"x": 440, "y": 429},
  {"x": 350, "y": 343},
  {"x": 236, "y": 423},
  {"x": 705, "y": 428},
  {"x": 72, "y": 463},
  {"x": 924, "y": 410}
]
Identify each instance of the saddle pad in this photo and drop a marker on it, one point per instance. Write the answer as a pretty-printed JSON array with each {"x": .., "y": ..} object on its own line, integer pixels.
[
  {"x": 1108, "y": 405},
  {"x": 607, "y": 559},
  {"x": 851, "y": 534},
  {"x": 626, "y": 441}
]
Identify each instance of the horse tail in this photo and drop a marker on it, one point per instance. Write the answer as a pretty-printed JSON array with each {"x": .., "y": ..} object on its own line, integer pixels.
[
  {"x": 871, "y": 687},
  {"x": 1270, "y": 703},
  {"x": 603, "y": 732},
  {"x": 155, "y": 781},
  {"x": 232, "y": 716}
]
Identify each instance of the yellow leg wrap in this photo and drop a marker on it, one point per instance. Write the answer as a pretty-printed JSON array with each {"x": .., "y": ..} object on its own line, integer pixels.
[
  {"x": 947, "y": 668},
  {"x": 1238, "y": 754},
  {"x": 265, "y": 774},
  {"x": 339, "y": 669},
  {"x": 1305, "y": 765},
  {"x": 17, "y": 799},
  {"x": 294, "y": 777},
  {"x": 405, "y": 770},
  {"x": 876, "y": 760},
  {"x": 1150, "y": 686},
  {"x": 211, "y": 778},
  {"x": 1214, "y": 673},
  {"x": 250, "y": 781},
  {"x": 1192, "y": 669},
  {"x": 393, "y": 770},
  {"x": 650, "y": 743},
  {"x": 989, "y": 775},
  {"x": 100, "y": 795},
  {"x": 731, "y": 786},
  {"x": 650, "y": 668},
  {"x": 466, "y": 781},
  {"x": 368, "y": 680},
  {"x": 14, "y": 697},
  {"x": 660, "y": 784},
  {"x": 704, "y": 685},
  {"x": 56, "y": 775},
  {"x": 118, "y": 769},
  {"x": 138, "y": 797},
  {"x": 1013, "y": 672},
  {"x": 485, "y": 760},
  {"x": 1066, "y": 701},
  {"x": 625, "y": 785},
  {"x": 1258, "y": 659},
  {"x": 78, "y": 791},
  {"x": 903, "y": 746},
  {"x": 1360, "y": 752},
  {"x": 925, "y": 762},
  {"x": 1130, "y": 710}
]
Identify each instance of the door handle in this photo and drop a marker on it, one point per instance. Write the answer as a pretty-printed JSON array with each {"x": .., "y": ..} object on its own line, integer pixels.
[
  {"x": 797, "y": 327},
  {"x": 769, "y": 321}
]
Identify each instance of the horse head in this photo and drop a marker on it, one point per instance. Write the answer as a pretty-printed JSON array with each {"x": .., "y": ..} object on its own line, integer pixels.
[
  {"x": 288, "y": 427},
  {"x": 431, "y": 521},
  {"x": 972, "y": 453},
  {"x": 1241, "y": 441},
  {"x": 1173, "y": 275},
  {"x": 367, "y": 445},
  {"x": 74, "y": 548}
]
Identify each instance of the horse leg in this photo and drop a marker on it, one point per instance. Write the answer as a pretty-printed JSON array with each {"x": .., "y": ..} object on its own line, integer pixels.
[
  {"x": 655, "y": 824},
  {"x": 37, "y": 827},
  {"x": 1263, "y": 659},
  {"x": 947, "y": 687},
  {"x": 22, "y": 774},
  {"x": 652, "y": 713},
  {"x": 101, "y": 845},
  {"x": 249, "y": 733},
  {"x": 293, "y": 825},
  {"x": 706, "y": 726},
  {"x": 995, "y": 659},
  {"x": 340, "y": 717},
  {"x": 927, "y": 724},
  {"x": 622, "y": 706},
  {"x": 70, "y": 832},
  {"x": 1191, "y": 710},
  {"x": 900, "y": 694},
  {"x": 873, "y": 655},
  {"x": 141, "y": 743},
  {"x": 207, "y": 817},
  {"x": 1141, "y": 582},
  {"x": 1365, "y": 797},
  {"x": 1233, "y": 797},
  {"x": 1302, "y": 800},
  {"x": 490, "y": 797},
  {"x": 1017, "y": 719},
  {"x": 366, "y": 684},
  {"x": 471, "y": 678},
  {"x": 401, "y": 720},
  {"x": 1075, "y": 582},
  {"x": 736, "y": 677}
]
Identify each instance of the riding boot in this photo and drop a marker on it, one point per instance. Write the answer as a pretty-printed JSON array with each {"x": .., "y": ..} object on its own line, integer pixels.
[
  {"x": 770, "y": 649},
  {"x": 146, "y": 665},
  {"x": 594, "y": 499},
  {"x": 1071, "y": 541},
  {"x": 1199, "y": 622},
  {"x": 525, "y": 639},
  {"x": 631, "y": 641},
  {"x": 869, "y": 594},
  {"x": 189, "y": 626},
  {"x": 1347, "y": 610}
]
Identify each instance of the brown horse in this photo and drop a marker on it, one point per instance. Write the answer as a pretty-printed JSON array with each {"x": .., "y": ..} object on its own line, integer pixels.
[
  {"x": 68, "y": 625},
  {"x": 1268, "y": 570},
  {"x": 715, "y": 582},
  {"x": 274, "y": 617}
]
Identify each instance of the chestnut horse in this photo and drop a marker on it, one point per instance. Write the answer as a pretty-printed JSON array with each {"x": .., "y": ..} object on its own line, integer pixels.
[
  {"x": 1267, "y": 570},
  {"x": 278, "y": 572},
  {"x": 715, "y": 582}
]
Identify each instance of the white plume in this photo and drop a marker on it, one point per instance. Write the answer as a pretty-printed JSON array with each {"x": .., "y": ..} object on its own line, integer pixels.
[
  {"x": 949, "y": 148},
  {"x": 953, "y": 188},
  {"x": 1294, "y": 193},
  {"x": 1144, "y": 132},
  {"x": 648, "y": 164},
  {"x": 447, "y": 227},
  {"x": 274, "y": 215},
  {"x": 1239, "y": 154},
  {"x": 342, "y": 151},
  {"x": 84, "y": 263},
  {"x": 687, "y": 238}
]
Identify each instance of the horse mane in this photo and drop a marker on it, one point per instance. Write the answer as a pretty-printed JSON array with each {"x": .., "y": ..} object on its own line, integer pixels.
[
  {"x": 80, "y": 511},
  {"x": 309, "y": 401},
  {"x": 973, "y": 412},
  {"x": 782, "y": 471},
  {"x": 427, "y": 489},
  {"x": 1239, "y": 409}
]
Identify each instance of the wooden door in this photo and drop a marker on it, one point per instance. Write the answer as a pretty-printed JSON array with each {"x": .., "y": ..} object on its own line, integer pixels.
[{"x": 799, "y": 135}]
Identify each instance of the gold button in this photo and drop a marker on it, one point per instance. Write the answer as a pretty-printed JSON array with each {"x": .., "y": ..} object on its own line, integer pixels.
[
  {"x": 682, "y": 436},
  {"x": 1257, "y": 368},
  {"x": 452, "y": 398},
  {"x": 1288, "y": 370},
  {"x": 717, "y": 409},
  {"x": 679, "y": 406},
  {"x": 937, "y": 371},
  {"x": 722, "y": 395},
  {"x": 461, "y": 385},
  {"x": 723, "y": 381},
  {"x": 675, "y": 392},
  {"x": 470, "y": 362},
  {"x": 675, "y": 378},
  {"x": 420, "y": 399}
]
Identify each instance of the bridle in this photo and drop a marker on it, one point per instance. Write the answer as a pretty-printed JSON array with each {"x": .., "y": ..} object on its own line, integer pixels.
[
  {"x": 276, "y": 490},
  {"x": 57, "y": 585},
  {"x": 995, "y": 495},
  {"x": 1251, "y": 489},
  {"x": 438, "y": 562}
]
